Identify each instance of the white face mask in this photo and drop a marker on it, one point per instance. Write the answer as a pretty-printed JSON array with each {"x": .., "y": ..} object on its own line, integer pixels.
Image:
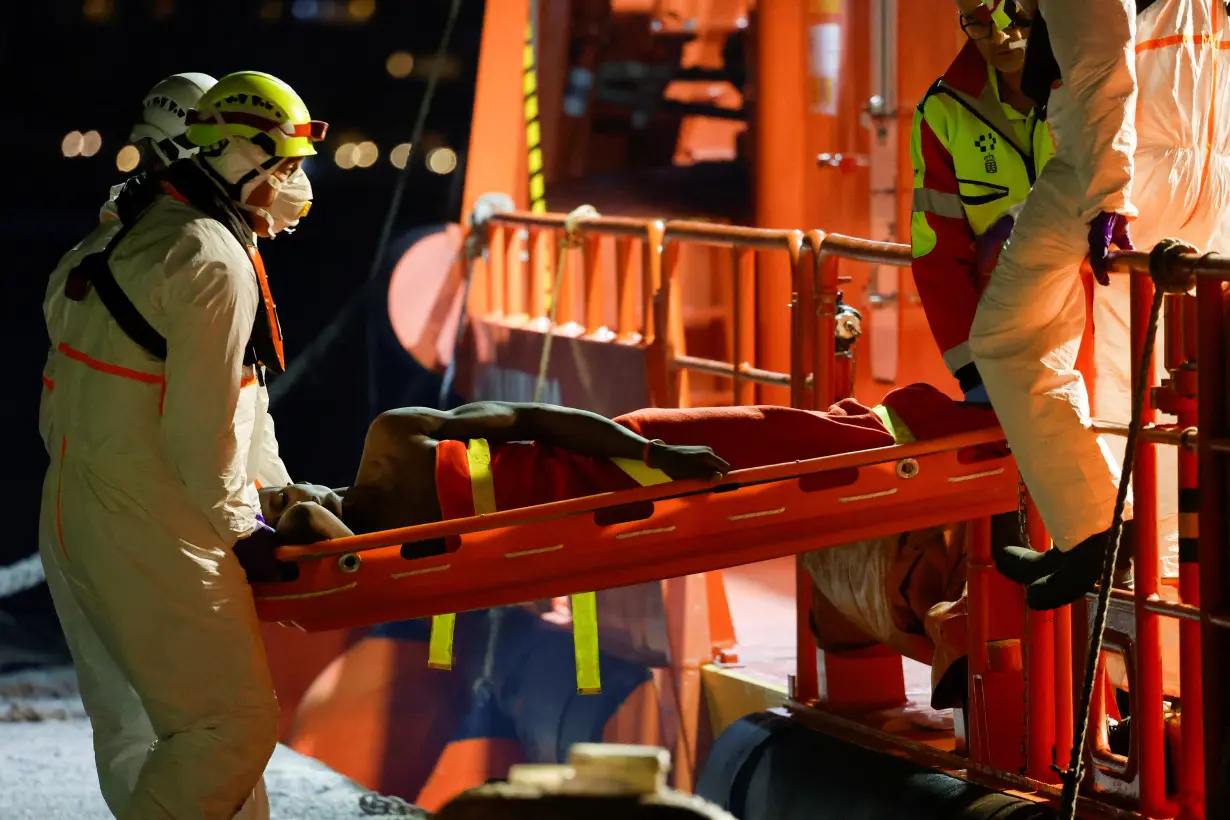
[{"x": 292, "y": 200}]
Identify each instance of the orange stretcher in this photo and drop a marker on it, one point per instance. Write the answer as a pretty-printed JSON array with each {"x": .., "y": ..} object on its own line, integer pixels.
[{"x": 645, "y": 534}]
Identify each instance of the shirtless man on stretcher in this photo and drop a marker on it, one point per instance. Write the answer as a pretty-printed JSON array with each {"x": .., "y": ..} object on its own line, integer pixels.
[{"x": 416, "y": 469}]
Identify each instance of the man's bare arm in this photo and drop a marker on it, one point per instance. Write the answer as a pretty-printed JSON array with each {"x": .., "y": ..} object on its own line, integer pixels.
[
  {"x": 307, "y": 522},
  {"x": 577, "y": 431}
]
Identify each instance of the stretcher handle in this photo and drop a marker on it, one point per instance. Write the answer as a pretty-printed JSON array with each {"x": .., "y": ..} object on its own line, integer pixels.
[{"x": 660, "y": 492}]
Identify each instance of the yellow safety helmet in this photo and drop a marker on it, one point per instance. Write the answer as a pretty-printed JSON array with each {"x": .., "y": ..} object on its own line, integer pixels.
[{"x": 260, "y": 108}]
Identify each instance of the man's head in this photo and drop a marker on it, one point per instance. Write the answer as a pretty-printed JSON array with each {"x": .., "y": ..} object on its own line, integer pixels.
[
  {"x": 159, "y": 135},
  {"x": 277, "y": 500},
  {"x": 999, "y": 28},
  {"x": 254, "y": 132}
]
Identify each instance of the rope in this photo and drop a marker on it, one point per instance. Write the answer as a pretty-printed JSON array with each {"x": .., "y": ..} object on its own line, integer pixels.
[
  {"x": 281, "y": 386},
  {"x": 21, "y": 576},
  {"x": 571, "y": 239},
  {"x": 379, "y": 805},
  {"x": 1166, "y": 280},
  {"x": 450, "y": 372},
  {"x": 386, "y": 230},
  {"x": 476, "y": 246}
]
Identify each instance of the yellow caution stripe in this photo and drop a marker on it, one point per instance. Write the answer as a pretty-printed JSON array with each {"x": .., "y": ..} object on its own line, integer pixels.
[{"x": 533, "y": 130}]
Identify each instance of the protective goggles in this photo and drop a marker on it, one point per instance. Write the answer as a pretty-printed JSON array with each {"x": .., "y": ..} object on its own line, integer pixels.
[
  {"x": 983, "y": 21},
  {"x": 314, "y": 130}
]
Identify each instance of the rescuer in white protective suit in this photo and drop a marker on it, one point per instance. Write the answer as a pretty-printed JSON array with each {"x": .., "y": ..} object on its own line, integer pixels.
[
  {"x": 156, "y": 421},
  {"x": 1183, "y": 165},
  {"x": 1031, "y": 317}
]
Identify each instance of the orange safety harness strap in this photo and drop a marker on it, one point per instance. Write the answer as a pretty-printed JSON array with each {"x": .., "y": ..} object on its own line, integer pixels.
[{"x": 265, "y": 343}]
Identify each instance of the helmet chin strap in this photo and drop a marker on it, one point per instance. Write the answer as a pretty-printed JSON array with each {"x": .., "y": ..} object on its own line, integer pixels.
[
  {"x": 259, "y": 169},
  {"x": 221, "y": 169},
  {"x": 160, "y": 150}
]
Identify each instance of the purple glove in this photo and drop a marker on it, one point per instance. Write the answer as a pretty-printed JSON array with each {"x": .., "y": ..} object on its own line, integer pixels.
[
  {"x": 255, "y": 554},
  {"x": 1104, "y": 230},
  {"x": 988, "y": 245}
]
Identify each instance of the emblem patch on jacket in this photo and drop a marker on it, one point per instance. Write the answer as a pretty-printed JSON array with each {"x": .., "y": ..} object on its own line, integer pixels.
[{"x": 986, "y": 144}]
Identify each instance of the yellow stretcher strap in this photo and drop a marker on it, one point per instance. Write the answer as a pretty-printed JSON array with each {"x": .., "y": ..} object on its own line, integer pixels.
[
  {"x": 478, "y": 454},
  {"x": 440, "y": 649},
  {"x": 898, "y": 428},
  {"x": 585, "y": 643},
  {"x": 641, "y": 473},
  {"x": 585, "y": 604}
]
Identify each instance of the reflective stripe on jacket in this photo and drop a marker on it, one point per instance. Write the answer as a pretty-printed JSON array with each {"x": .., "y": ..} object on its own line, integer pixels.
[{"x": 974, "y": 159}]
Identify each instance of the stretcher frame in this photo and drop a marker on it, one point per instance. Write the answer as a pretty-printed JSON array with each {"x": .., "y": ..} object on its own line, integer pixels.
[
  {"x": 644, "y": 534},
  {"x": 1007, "y": 660}
]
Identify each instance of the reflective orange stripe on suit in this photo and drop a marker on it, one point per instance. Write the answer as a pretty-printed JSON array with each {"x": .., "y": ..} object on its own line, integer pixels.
[
  {"x": 125, "y": 372},
  {"x": 1201, "y": 39},
  {"x": 117, "y": 370}
]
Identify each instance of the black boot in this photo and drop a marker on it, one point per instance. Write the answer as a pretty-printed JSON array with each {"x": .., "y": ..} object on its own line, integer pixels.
[
  {"x": 1078, "y": 572},
  {"x": 1024, "y": 565}
]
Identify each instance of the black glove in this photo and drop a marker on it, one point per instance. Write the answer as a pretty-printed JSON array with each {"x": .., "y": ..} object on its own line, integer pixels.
[{"x": 256, "y": 555}]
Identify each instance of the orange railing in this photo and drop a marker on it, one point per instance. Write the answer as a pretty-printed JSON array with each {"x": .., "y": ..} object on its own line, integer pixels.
[
  {"x": 646, "y": 312},
  {"x": 646, "y": 269}
]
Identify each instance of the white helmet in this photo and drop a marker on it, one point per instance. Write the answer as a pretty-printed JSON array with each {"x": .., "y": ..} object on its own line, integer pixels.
[{"x": 163, "y": 112}]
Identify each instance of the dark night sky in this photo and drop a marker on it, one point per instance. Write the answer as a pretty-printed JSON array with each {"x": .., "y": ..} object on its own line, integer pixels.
[{"x": 65, "y": 73}]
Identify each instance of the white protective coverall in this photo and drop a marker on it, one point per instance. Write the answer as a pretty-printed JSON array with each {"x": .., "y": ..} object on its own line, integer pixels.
[
  {"x": 1031, "y": 316},
  {"x": 1181, "y": 184},
  {"x": 149, "y": 487}
]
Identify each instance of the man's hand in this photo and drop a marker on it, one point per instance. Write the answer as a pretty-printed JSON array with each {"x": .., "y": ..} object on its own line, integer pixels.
[
  {"x": 1106, "y": 229},
  {"x": 682, "y": 463}
]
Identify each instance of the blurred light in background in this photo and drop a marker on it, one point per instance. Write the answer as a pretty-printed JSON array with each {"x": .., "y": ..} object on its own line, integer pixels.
[
  {"x": 128, "y": 158},
  {"x": 91, "y": 141},
  {"x": 272, "y": 10},
  {"x": 450, "y": 67},
  {"x": 361, "y": 9},
  {"x": 70, "y": 146},
  {"x": 400, "y": 155},
  {"x": 98, "y": 10},
  {"x": 366, "y": 154},
  {"x": 441, "y": 160},
  {"x": 400, "y": 64},
  {"x": 344, "y": 156},
  {"x": 305, "y": 9}
]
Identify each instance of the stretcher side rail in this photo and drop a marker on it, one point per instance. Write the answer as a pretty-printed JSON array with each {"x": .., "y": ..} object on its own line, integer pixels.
[
  {"x": 564, "y": 548},
  {"x": 660, "y": 492}
]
